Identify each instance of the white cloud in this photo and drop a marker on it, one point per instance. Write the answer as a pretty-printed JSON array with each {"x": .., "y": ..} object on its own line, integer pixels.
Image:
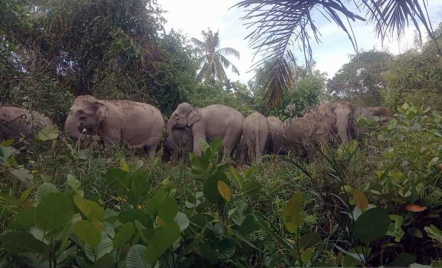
[{"x": 193, "y": 16}]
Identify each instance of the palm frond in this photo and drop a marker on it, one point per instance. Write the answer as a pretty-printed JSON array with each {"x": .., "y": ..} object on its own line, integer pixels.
[
  {"x": 202, "y": 72},
  {"x": 228, "y": 51},
  {"x": 201, "y": 60},
  {"x": 198, "y": 43},
  {"x": 226, "y": 63},
  {"x": 279, "y": 77},
  {"x": 392, "y": 16},
  {"x": 220, "y": 73}
]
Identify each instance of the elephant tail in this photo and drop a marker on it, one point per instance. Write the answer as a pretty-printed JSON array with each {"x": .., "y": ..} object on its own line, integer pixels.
[{"x": 257, "y": 140}]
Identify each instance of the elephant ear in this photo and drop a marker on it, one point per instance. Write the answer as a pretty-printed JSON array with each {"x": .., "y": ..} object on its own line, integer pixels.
[
  {"x": 194, "y": 116},
  {"x": 101, "y": 111}
]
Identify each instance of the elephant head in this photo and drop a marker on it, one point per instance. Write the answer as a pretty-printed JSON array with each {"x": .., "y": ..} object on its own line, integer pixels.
[
  {"x": 86, "y": 113},
  {"x": 344, "y": 117},
  {"x": 379, "y": 111},
  {"x": 185, "y": 115}
]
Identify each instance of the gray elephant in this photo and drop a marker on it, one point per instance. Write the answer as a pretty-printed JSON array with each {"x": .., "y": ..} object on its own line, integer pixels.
[
  {"x": 369, "y": 113},
  {"x": 178, "y": 142},
  {"x": 139, "y": 124},
  {"x": 277, "y": 138},
  {"x": 343, "y": 112},
  {"x": 305, "y": 135},
  {"x": 15, "y": 122},
  {"x": 213, "y": 121},
  {"x": 324, "y": 115},
  {"x": 255, "y": 134}
]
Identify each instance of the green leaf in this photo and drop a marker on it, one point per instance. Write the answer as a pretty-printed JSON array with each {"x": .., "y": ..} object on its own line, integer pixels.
[
  {"x": 23, "y": 175},
  {"x": 17, "y": 243},
  {"x": 227, "y": 248},
  {"x": 136, "y": 258},
  {"x": 54, "y": 211},
  {"x": 349, "y": 261},
  {"x": 306, "y": 256},
  {"x": 209, "y": 254},
  {"x": 250, "y": 172},
  {"x": 251, "y": 187},
  {"x": 154, "y": 203},
  {"x": 136, "y": 215},
  {"x": 104, "y": 247},
  {"x": 168, "y": 209},
  {"x": 123, "y": 235},
  {"x": 182, "y": 221},
  {"x": 224, "y": 190},
  {"x": 25, "y": 219},
  {"x": 403, "y": 260},
  {"x": 210, "y": 189},
  {"x": 7, "y": 143},
  {"x": 89, "y": 208},
  {"x": 360, "y": 200},
  {"x": 24, "y": 196},
  {"x": 43, "y": 190},
  {"x": 309, "y": 240},
  {"x": 238, "y": 178},
  {"x": 75, "y": 185},
  {"x": 292, "y": 214},
  {"x": 162, "y": 239},
  {"x": 415, "y": 232},
  {"x": 104, "y": 262},
  {"x": 87, "y": 232},
  {"x": 124, "y": 165},
  {"x": 433, "y": 232},
  {"x": 372, "y": 225},
  {"x": 216, "y": 145},
  {"x": 48, "y": 133},
  {"x": 114, "y": 175}
]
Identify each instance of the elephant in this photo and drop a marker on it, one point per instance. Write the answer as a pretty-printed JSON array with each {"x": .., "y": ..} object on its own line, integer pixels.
[
  {"x": 15, "y": 121},
  {"x": 369, "y": 113},
  {"x": 343, "y": 111},
  {"x": 305, "y": 134},
  {"x": 255, "y": 133},
  {"x": 177, "y": 141},
  {"x": 277, "y": 138},
  {"x": 139, "y": 124},
  {"x": 208, "y": 123},
  {"x": 324, "y": 115}
]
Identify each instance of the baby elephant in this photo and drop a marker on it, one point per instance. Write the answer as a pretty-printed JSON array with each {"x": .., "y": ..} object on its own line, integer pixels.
[
  {"x": 255, "y": 132},
  {"x": 178, "y": 142},
  {"x": 140, "y": 124},
  {"x": 15, "y": 122}
]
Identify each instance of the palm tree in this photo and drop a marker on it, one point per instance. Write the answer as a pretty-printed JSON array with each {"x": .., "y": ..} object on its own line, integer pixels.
[
  {"x": 282, "y": 23},
  {"x": 212, "y": 60}
]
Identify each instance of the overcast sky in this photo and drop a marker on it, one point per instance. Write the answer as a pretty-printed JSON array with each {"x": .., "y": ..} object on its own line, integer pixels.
[{"x": 193, "y": 16}]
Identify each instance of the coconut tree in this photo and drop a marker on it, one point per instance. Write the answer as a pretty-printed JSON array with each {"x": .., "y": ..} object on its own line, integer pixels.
[
  {"x": 280, "y": 24},
  {"x": 211, "y": 59}
]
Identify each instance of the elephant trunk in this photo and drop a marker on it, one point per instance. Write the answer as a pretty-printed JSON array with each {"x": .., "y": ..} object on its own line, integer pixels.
[
  {"x": 71, "y": 127},
  {"x": 342, "y": 125}
]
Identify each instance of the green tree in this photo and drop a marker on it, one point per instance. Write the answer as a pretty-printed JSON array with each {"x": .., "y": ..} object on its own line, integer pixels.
[
  {"x": 211, "y": 59},
  {"x": 362, "y": 79},
  {"x": 281, "y": 23},
  {"x": 416, "y": 77}
]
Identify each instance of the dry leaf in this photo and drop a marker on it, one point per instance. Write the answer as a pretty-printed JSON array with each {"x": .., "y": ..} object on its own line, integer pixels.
[{"x": 415, "y": 208}]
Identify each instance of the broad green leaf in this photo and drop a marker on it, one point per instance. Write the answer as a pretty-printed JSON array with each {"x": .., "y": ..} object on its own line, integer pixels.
[
  {"x": 360, "y": 200},
  {"x": 104, "y": 262},
  {"x": 54, "y": 211},
  {"x": 216, "y": 145},
  {"x": 136, "y": 258},
  {"x": 402, "y": 260},
  {"x": 227, "y": 248},
  {"x": 347, "y": 189},
  {"x": 349, "y": 261},
  {"x": 25, "y": 219},
  {"x": 415, "y": 232},
  {"x": 306, "y": 256},
  {"x": 210, "y": 189},
  {"x": 124, "y": 165},
  {"x": 104, "y": 248},
  {"x": 372, "y": 225},
  {"x": 75, "y": 185},
  {"x": 238, "y": 178},
  {"x": 123, "y": 235},
  {"x": 89, "y": 208},
  {"x": 292, "y": 214},
  {"x": 250, "y": 172},
  {"x": 309, "y": 240},
  {"x": 17, "y": 243},
  {"x": 43, "y": 190},
  {"x": 224, "y": 190},
  {"x": 87, "y": 232},
  {"x": 162, "y": 239},
  {"x": 7, "y": 143},
  {"x": 154, "y": 203},
  {"x": 136, "y": 215},
  {"x": 251, "y": 187},
  {"x": 168, "y": 209},
  {"x": 209, "y": 254},
  {"x": 434, "y": 232},
  {"x": 48, "y": 133},
  {"x": 248, "y": 226},
  {"x": 182, "y": 221}
]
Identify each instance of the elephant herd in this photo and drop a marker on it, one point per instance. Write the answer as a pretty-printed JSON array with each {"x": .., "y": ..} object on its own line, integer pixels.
[{"x": 142, "y": 126}]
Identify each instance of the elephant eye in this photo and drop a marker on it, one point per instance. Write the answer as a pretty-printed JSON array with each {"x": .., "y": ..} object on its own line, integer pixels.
[{"x": 80, "y": 111}]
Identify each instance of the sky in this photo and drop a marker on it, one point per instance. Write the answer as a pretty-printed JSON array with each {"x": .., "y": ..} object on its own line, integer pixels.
[{"x": 193, "y": 16}]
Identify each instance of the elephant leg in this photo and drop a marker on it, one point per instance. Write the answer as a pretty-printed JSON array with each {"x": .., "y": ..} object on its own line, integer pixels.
[
  {"x": 150, "y": 151},
  {"x": 197, "y": 144},
  {"x": 251, "y": 149},
  {"x": 244, "y": 153}
]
